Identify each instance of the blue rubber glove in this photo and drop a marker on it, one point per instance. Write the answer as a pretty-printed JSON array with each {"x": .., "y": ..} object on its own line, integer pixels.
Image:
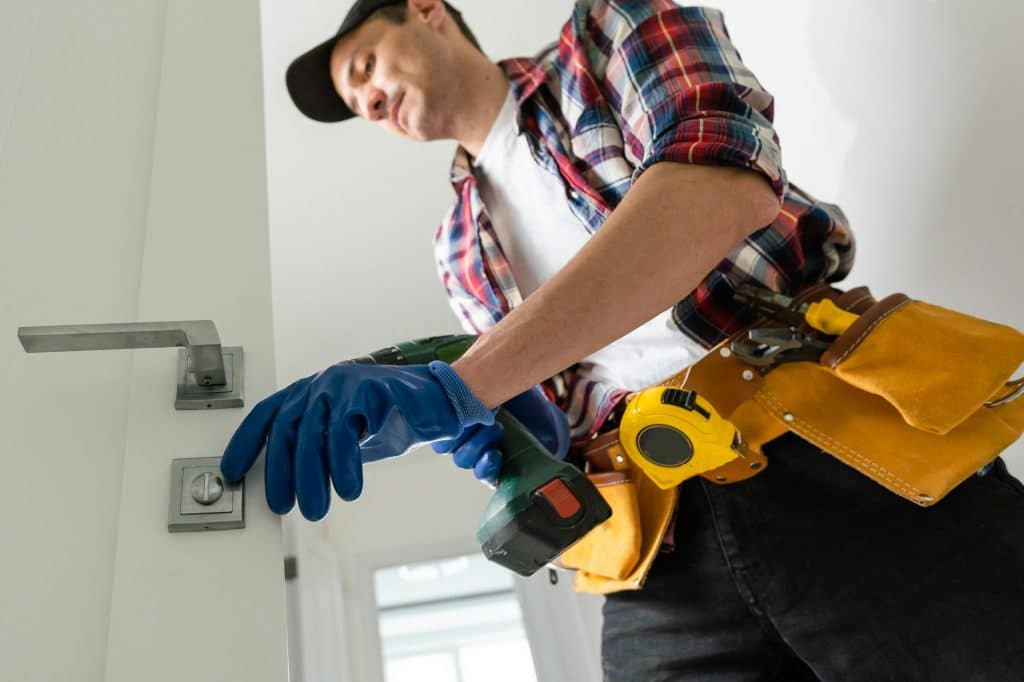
[
  {"x": 322, "y": 428},
  {"x": 478, "y": 448}
]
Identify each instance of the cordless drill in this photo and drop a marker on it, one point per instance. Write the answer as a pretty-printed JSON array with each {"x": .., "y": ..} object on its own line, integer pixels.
[{"x": 541, "y": 506}]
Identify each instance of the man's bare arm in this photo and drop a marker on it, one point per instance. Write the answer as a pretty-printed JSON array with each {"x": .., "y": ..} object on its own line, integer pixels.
[{"x": 672, "y": 228}]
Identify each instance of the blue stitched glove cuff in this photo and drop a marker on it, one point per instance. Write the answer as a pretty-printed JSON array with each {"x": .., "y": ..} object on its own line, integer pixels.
[{"x": 467, "y": 406}]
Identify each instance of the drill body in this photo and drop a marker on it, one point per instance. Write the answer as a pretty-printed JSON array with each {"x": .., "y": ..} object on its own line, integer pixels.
[{"x": 541, "y": 506}]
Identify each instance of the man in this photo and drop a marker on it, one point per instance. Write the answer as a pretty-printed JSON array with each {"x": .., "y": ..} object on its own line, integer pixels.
[{"x": 610, "y": 196}]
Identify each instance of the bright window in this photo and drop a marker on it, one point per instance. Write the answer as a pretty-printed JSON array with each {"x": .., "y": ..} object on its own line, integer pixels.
[{"x": 454, "y": 620}]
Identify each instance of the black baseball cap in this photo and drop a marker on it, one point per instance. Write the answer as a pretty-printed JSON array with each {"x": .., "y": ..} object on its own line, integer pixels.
[{"x": 309, "y": 76}]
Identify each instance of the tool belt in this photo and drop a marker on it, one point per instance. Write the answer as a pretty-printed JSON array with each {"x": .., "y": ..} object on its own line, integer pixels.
[{"x": 914, "y": 396}]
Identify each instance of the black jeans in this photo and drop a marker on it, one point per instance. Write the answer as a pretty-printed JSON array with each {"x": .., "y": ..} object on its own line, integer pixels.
[{"x": 812, "y": 571}]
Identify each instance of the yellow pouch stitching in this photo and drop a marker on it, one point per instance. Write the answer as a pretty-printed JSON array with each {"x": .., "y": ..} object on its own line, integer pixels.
[
  {"x": 611, "y": 483},
  {"x": 855, "y": 344},
  {"x": 775, "y": 407}
]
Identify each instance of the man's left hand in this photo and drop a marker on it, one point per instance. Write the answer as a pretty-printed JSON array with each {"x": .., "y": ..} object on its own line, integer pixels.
[{"x": 479, "y": 448}]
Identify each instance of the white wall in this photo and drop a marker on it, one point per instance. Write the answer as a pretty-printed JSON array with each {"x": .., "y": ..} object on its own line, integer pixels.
[{"x": 902, "y": 113}]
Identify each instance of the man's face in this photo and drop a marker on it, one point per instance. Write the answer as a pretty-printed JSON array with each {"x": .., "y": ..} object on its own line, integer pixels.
[{"x": 401, "y": 77}]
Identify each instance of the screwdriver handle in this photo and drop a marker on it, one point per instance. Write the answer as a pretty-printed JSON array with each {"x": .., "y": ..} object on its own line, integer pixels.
[{"x": 827, "y": 317}]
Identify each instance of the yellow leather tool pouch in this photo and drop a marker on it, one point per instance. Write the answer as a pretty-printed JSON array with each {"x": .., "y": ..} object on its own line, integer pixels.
[
  {"x": 910, "y": 396},
  {"x": 617, "y": 554},
  {"x": 612, "y": 549},
  {"x": 936, "y": 366}
]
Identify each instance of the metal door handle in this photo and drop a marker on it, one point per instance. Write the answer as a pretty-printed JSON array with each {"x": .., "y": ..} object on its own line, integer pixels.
[
  {"x": 199, "y": 336},
  {"x": 202, "y": 359}
]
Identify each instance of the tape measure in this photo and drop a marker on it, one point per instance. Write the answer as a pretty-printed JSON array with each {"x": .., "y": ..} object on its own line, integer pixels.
[{"x": 674, "y": 434}]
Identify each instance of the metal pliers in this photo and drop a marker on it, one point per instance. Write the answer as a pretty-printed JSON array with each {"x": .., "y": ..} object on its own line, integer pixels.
[
  {"x": 823, "y": 315},
  {"x": 774, "y": 345},
  {"x": 770, "y": 304}
]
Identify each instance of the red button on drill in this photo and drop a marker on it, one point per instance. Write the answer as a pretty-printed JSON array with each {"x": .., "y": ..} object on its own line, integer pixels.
[{"x": 560, "y": 498}]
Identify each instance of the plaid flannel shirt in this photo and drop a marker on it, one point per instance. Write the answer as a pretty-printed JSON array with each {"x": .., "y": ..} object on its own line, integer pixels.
[{"x": 632, "y": 83}]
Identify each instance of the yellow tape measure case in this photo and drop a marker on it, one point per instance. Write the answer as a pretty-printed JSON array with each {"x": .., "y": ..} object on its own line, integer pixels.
[{"x": 674, "y": 434}]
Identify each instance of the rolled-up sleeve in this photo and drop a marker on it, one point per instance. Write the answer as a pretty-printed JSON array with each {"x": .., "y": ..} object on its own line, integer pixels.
[{"x": 677, "y": 86}]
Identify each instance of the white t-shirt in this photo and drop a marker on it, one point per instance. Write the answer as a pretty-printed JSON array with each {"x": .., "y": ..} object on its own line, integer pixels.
[{"x": 539, "y": 233}]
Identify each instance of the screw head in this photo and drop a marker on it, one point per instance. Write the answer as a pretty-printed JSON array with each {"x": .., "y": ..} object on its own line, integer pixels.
[
  {"x": 725, "y": 352},
  {"x": 748, "y": 375},
  {"x": 788, "y": 417},
  {"x": 207, "y": 488}
]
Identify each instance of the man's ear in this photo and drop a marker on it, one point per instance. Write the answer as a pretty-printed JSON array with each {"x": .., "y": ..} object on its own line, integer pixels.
[{"x": 431, "y": 12}]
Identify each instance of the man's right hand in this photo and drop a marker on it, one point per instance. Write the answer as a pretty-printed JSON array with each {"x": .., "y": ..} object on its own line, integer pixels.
[
  {"x": 479, "y": 447},
  {"x": 320, "y": 430}
]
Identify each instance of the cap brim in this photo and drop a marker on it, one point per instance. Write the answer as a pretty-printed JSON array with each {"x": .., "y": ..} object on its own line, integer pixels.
[{"x": 311, "y": 88}]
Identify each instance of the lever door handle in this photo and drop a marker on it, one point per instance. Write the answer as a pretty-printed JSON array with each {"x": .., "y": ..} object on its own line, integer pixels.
[
  {"x": 202, "y": 358},
  {"x": 199, "y": 336}
]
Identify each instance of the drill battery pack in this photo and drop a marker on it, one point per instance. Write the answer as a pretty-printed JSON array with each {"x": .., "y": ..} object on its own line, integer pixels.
[{"x": 541, "y": 506}]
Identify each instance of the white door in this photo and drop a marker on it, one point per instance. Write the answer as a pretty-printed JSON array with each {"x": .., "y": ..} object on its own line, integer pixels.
[{"x": 132, "y": 189}]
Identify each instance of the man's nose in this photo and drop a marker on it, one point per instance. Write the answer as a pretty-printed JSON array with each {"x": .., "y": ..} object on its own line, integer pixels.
[{"x": 376, "y": 105}]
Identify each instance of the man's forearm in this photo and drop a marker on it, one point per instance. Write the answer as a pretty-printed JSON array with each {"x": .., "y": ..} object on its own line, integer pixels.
[{"x": 673, "y": 227}]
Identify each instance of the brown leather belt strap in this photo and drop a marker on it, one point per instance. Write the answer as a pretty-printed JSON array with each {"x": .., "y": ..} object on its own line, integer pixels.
[{"x": 605, "y": 453}]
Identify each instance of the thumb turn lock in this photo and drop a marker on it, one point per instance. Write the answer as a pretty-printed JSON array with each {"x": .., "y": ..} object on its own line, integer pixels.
[
  {"x": 201, "y": 499},
  {"x": 207, "y": 488}
]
